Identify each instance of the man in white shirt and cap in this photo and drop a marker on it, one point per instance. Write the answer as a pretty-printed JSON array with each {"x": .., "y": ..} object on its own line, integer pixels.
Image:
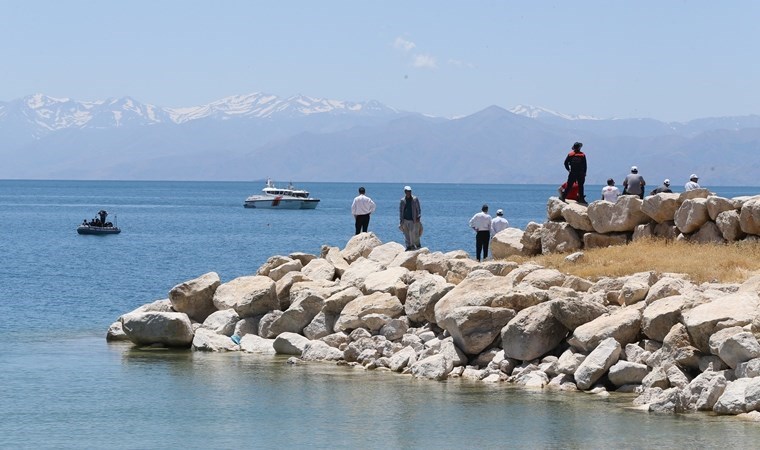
[
  {"x": 692, "y": 184},
  {"x": 499, "y": 223},
  {"x": 361, "y": 208},
  {"x": 481, "y": 223}
]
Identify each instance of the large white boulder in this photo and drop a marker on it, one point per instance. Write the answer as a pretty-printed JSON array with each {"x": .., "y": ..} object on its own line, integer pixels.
[
  {"x": 481, "y": 288},
  {"x": 729, "y": 225},
  {"x": 577, "y": 216},
  {"x": 386, "y": 253},
  {"x": 320, "y": 351},
  {"x": 172, "y": 329},
  {"x": 378, "y": 303},
  {"x": 531, "y": 239},
  {"x": 626, "y": 372},
  {"x": 278, "y": 272},
  {"x": 533, "y": 332},
  {"x": 392, "y": 280},
  {"x": 506, "y": 243},
  {"x": 248, "y": 296},
  {"x": 250, "y": 343},
  {"x": 749, "y": 217},
  {"x": 717, "y": 205},
  {"x": 621, "y": 216},
  {"x": 359, "y": 270},
  {"x": 661, "y": 207},
  {"x": 474, "y": 328},
  {"x": 360, "y": 245},
  {"x": 222, "y": 322},
  {"x": 290, "y": 344},
  {"x": 195, "y": 297},
  {"x": 597, "y": 363},
  {"x": 207, "y": 340},
  {"x": 730, "y": 310},
  {"x": 559, "y": 237},
  {"x": 624, "y": 325},
  {"x": 319, "y": 269},
  {"x": 691, "y": 215},
  {"x": 422, "y": 295},
  {"x": 599, "y": 240},
  {"x": 574, "y": 312}
]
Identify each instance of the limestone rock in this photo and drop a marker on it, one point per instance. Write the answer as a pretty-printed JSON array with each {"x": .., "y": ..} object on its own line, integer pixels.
[
  {"x": 207, "y": 340},
  {"x": 436, "y": 263},
  {"x": 644, "y": 231},
  {"x": 248, "y": 296},
  {"x": 706, "y": 388},
  {"x": 305, "y": 258},
  {"x": 361, "y": 244},
  {"x": 708, "y": 233},
  {"x": 577, "y": 217},
  {"x": 283, "y": 285},
  {"x": 738, "y": 348},
  {"x": 403, "y": 358},
  {"x": 408, "y": 259},
  {"x": 271, "y": 263},
  {"x": 666, "y": 230},
  {"x": 521, "y": 297},
  {"x": 359, "y": 270},
  {"x": 533, "y": 332},
  {"x": 531, "y": 239},
  {"x": 334, "y": 257},
  {"x": 435, "y": 367},
  {"x": 392, "y": 281},
  {"x": 625, "y": 372},
  {"x": 320, "y": 326},
  {"x": 636, "y": 287},
  {"x": 481, "y": 288},
  {"x": 667, "y": 286},
  {"x": 506, "y": 243},
  {"x": 660, "y": 316},
  {"x": 736, "y": 309},
  {"x": 717, "y": 205},
  {"x": 624, "y": 325},
  {"x": 386, "y": 253},
  {"x": 251, "y": 343},
  {"x": 116, "y": 333},
  {"x": 544, "y": 278},
  {"x": 222, "y": 322},
  {"x": 569, "y": 361},
  {"x": 691, "y": 215},
  {"x": 194, "y": 297},
  {"x": 749, "y": 217},
  {"x": 622, "y": 216},
  {"x": 290, "y": 344},
  {"x": 172, "y": 329},
  {"x": 597, "y": 363},
  {"x": 335, "y": 303},
  {"x": 280, "y": 271},
  {"x": 422, "y": 295},
  {"x": 559, "y": 237},
  {"x": 319, "y": 269},
  {"x": 728, "y": 223},
  {"x": 574, "y": 312},
  {"x": 700, "y": 193},
  {"x": 320, "y": 351},
  {"x": 733, "y": 400},
  {"x": 378, "y": 303},
  {"x": 475, "y": 327},
  {"x": 554, "y": 207},
  {"x": 660, "y": 207}
]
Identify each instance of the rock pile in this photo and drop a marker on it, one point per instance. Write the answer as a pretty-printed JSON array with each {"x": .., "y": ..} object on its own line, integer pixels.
[
  {"x": 680, "y": 346},
  {"x": 695, "y": 216}
]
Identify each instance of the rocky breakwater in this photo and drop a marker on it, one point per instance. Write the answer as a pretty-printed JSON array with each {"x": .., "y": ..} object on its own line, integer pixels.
[
  {"x": 695, "y": 216},
  {"x": 680, "y": 346}
]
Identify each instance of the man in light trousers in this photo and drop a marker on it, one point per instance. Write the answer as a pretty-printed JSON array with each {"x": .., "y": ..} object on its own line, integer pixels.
[{"x": 409, "y": 214}]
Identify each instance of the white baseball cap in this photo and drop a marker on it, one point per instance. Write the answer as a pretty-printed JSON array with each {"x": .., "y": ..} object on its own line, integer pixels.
[
  {"x": 667, "y": 181},
  {"x": 407, "y": 188},
  {"x": 634, "y": 168},
  {"x": 694, "y": 175},
  {"x": 499, "y": 212}
]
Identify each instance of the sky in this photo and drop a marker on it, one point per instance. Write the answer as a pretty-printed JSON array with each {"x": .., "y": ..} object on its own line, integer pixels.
[{"x": 670, "y": 60}]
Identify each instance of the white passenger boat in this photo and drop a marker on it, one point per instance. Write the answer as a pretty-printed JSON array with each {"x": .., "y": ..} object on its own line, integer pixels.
[{"x": 273, "y": 197}]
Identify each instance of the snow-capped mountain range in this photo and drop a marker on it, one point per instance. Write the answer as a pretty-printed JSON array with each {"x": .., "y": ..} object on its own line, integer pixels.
[
  {"x": 52, "y": 114},
  {"x": 261, "y": 135}
]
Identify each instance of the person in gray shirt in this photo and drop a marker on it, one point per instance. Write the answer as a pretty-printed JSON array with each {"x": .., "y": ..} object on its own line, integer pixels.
[{"x": 634, "y": 183}]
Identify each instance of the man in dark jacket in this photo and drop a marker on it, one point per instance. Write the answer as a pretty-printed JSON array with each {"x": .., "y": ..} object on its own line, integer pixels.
[
  {"x": 575, "y": 164},
  {"x": 665, "y": 188}
]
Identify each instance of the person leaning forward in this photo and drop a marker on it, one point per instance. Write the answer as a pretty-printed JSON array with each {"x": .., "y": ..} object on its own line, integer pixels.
[
  {"x": 575, "y": 164},
  {"x": 409, "y": 214},
  {"x": 361, "y": 208}
]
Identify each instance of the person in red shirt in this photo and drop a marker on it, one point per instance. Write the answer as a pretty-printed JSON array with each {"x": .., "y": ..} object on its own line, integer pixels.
[{"x": 572, "y": 194}]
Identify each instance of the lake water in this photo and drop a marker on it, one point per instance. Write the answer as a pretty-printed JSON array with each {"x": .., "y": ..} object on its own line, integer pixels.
[{"x": 63, "y": 386}]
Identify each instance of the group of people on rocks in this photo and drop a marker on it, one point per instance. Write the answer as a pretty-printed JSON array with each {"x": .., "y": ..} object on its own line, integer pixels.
[
  {"x": 410, "y": 224},
  {"x": 633, "y": 184}
]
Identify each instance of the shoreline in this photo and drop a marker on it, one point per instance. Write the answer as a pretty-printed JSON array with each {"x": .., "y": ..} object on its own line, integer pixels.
[{"x": 679, "y": 346}]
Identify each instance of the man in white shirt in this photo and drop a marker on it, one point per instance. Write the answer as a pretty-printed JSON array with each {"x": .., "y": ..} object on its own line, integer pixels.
[
  {"x": 499, "y": 223},
  {"x": 610, "y": 192},
  {"x": 361, "y": 208},
  {"x": 692, "y": 184},
  {"x": 481, "y": 223}
]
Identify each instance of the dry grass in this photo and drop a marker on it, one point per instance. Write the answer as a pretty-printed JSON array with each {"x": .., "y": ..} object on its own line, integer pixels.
[{"x": 701, "y": 262}]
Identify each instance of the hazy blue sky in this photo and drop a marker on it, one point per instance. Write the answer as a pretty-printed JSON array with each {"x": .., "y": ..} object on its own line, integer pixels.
[{"x": 670, "y": 60}]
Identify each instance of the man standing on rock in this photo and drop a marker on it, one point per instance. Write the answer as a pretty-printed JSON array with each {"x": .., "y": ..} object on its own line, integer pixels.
[
  {"x": 499, "y": 223},
  {"x": 575, "y": 164},
  {"x": 481, "y": 223},
  {"x": 361, "y": 208},
  {"x": 409, "y": 214}
]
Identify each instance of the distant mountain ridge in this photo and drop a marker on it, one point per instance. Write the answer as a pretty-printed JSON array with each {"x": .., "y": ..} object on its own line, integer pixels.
[{"x": 260, "y": 135}]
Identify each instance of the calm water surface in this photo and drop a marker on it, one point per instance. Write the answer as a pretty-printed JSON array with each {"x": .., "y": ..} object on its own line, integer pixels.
[{"x": 63, "y": 386}]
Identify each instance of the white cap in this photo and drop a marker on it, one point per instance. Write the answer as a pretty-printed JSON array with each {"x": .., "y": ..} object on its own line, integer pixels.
[
  {"x": 499, "y": 212},
  {"x": 667, "y": 181},
  {"x": 694, "y": 175},
  {"x": 407, "y": 188},
  {"x": 634, "y": 168}
]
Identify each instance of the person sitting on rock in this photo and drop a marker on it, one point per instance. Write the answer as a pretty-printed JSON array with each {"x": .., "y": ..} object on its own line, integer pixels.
[
  {"x": 572, "y": 193},
  {"x": 610, "y": 192},
  {"x": 664, "y": 189},
  {"x": 692, "y": 184},
  {"x": 634, "y": 183}
]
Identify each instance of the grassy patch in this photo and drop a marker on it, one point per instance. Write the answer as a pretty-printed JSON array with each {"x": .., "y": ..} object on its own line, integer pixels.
[{"x": 727, "y": 263}]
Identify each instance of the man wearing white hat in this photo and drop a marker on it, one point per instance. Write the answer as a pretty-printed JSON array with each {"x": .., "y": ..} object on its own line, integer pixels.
[
  {"x": 499, "y": 223},
  {"x": 634, "y": 183},
  {"x": 409, "y": 215},
  {"x": 692, "y": 184}
]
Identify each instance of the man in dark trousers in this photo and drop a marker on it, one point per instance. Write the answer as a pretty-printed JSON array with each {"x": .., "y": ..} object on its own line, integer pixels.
[{"x": 575, "y": 164}]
